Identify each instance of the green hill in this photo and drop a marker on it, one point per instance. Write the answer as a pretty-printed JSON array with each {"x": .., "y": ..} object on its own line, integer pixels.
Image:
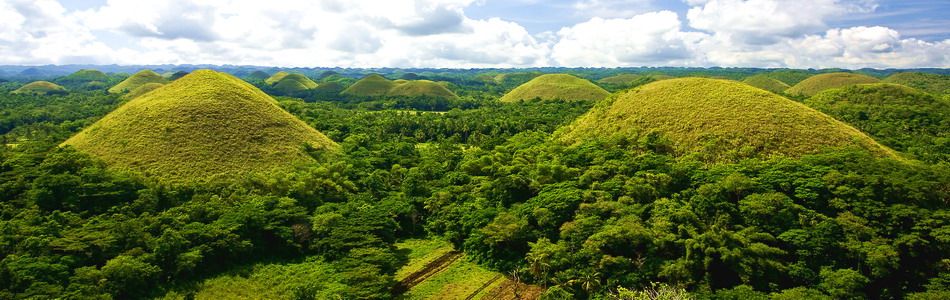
[
  {"x": 630, "y": 79},
  {"x": 556, "y": 86},
  {"x": 421, "y": 88},
  {"x": 176, "y": 75},
  {"x": 721, "y": 120},
  {"x": 927, "y": 82},
  {"x": 84, "y": 76},
  {"x": 258, "y": 75},
  {"x": 136, "y": 80},
  {"x": 293, "y": 83},
  {"x": 898, "y": 116},
  {"x": 373, "y": 85},
  {"x": 276, "y": 77},
  {"x": 40, "y": 88},
  {"x": 204, "y": 126},
  {"x": 763, "y": 81},
  {"x": 789, "y": 77},
  {"x": 821, "y": 82},
  {"x": 141, "y": 90}
]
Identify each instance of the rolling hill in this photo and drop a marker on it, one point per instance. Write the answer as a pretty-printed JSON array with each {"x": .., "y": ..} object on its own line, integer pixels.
[
  {"x": 373, "y": 85},
  {"x": 927, "y": 82},
  {"x": 40, "y": 88},
  {"x": 84, "y": 76},
  {"x": 763, "y": 81},
  {"x": 720, "y": 120},
  {"x": 138, "y": 79},
  {"x": 293, "y": 83},
  {"x": 821, "y": 82},
  {"x": 203, "y": 127},
  {"x": 630, "y": 79},
  {"x": 556, "y": 87},
  {"x": 898, "y": 116},
  {"x": 141, "y": 90},
  {"x": 421, "y": 88},
  {"x": 276, "y": 77}
]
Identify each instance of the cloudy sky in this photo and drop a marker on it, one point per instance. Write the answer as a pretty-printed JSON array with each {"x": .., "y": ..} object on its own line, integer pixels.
[{"x": 479, "y": 33}]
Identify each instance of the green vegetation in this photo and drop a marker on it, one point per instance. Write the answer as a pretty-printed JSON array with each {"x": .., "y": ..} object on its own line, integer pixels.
[
  {"x": 176, "y": 75},
  {"x": 293, "y": 83},
  {"x": 312, "y": 279},
  {"x": 789, "y": 77},
  {"x": 422, "y": 88},
  {"x": 40, "y": 88},
  {"x": 373, "y": 85},
  {"x": 202, "y": 126},
  {"x": 276, "y": 77},
  {"x": 83, "y": 76},
  {"x": 763, "y": 81},
  {"x": 136, "y": 80},
  {"x": 898, "y": 116},
  {"x": 932, "y": 83},
  {"x": 818, "y": 83},
  {"x": 556, "y": 87},
  {"x": 142, "y": 89},
  {"x": 258, "y": 75},
  {"x": 718, "y": 120}
]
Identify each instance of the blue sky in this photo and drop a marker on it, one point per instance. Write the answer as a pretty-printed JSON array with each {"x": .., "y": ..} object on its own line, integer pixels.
[{"x": 479, "y": 33}]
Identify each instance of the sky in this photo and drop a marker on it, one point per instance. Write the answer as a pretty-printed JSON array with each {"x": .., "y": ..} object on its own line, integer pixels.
[{"x": 848, "y": 34}]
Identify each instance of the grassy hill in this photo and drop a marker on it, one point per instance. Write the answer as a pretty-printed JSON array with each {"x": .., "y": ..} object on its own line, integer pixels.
[
  {"x": 294, "y": 83},
  {"x": 40, "y": 88},
  {"x": 84, "y": 76},
  {"x": 373, "y": 85},
  {"x": 138, "y": 79},
  {"x": 421, "y": 88},
  {"x": 176, "y": 75},
  {"x": 141, "y": 90},
  {"x": 258, "y": 75},
  {"x": 204, "y": 126},
  {"x": 763, "y": 81},
  {"x": 556, "y": 86},
  {"x": 927, "y": 82},
  {"x": 789, "y": 77},
  {"x": 629, "y": 79},
  {"x": 273, "y": 79},
  {"x": 720, "y": 120},
  {"x": 898, "y": 116},
  {"x": 821, "y": 82}
]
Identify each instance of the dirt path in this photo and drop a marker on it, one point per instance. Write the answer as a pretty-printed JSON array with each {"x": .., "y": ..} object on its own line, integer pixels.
[
  {"x": 431, "y": 268},
  {"x": 479, "y": 290}
]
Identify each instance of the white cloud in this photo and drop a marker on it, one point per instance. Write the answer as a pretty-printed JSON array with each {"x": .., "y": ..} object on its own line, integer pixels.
[
  {"x": 647, "y": 39},
  {"x": 39, "y": 32},
  {"x": 611, "y": 8}
]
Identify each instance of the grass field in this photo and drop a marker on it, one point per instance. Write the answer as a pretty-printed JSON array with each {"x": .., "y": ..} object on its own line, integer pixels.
[
  {"x": 269, "y": 281},
  {"x": 39, "y": 88},
  {"x": 556, "y": 87},
  {"x": 142, "y": 90},
  {"x": 763, "y": 81},
  {"x": 821, "y": 82},
  {"x": 136, "y": 80},
  {"x": 720, "y": 119},
  {"x": 276, "y": 77}
]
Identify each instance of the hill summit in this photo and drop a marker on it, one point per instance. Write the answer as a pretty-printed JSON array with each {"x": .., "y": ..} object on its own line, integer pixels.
[
  {"x": 556, "y": 87},
  {"x": 40, "y": 88},
  {"x": 204, "y": 126},
  {"x": 136, "y": 80},
  {"x": 821, "y": 82},
  {"x": 375, "y": 85},
  {"x": 932, "y": 83},
  {"x": 721, "y": 119},
  {"x": 372, "y": 85},
  {"x": 763, "y": 81},
  {"x": 294, "y": 83}
]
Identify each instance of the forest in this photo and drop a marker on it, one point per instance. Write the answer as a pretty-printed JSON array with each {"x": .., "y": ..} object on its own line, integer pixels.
[{"x": 636, "y": 215}]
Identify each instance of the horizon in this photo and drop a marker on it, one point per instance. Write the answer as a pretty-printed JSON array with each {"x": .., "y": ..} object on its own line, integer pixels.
[{"x": 479, "y": 34}]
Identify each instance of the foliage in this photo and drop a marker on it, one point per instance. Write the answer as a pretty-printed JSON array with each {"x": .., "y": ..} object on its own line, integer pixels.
[
  {"x": 556, "y": 87},
  {"x": 202, "y": 126},
  {"x": 931, "y": 83},
  {"x": 717, "y": 120}
]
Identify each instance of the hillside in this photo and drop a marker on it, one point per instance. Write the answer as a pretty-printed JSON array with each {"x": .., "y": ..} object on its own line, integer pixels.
[
  {"x": 767, "y": 83},
  {"x": 40, "y": 88},
  {"x": 293, "y": 83},
  {"x": 421, "y": 88},
  {"x": 630, "y": 79},
  {"x": 719, "y": 119},
  {"x": 141, "y": 90},
  {"x": 258, "y": 75},
  {"x": 898, "y": 116},
  {"x": 276, "y": 77},
  {"x": 821, "y": 82},
  {"x": 556, "y": 87},
  {"x": 204, "y": 126},
  {"x": 927, "y": 82},
  {"x": 136, "y": 80},
  {"x": 84, "y": 76},
  {"x": 373, "y": 85}
]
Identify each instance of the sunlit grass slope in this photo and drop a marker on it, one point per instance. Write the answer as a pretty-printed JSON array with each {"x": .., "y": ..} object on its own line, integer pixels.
[
  {"x": 927, "y": 82},
  {"x": 898, "y": 116},
  {"x": 84, "y": 76},
  {"x": 767, "y": 83},
  {"x": 556, "y": 87},
  {"x": 39, "y": 88},
  {"x": 204, "y": 126},
  {"x": 141, "y": 90},
  {"x": 294, "y": 83},
  {"x": 136, "y": 80},
  {"x": 267, "y": 281},
  {"x": 626, "y": 79},
  {"x": 719, "y": 120},
  {"x": 373, "y": 85},
  {"x": 258, "y": 75},
  {"x": 421, "y": 88},
  {"x": 276, "y": 77},
  {"x": 821, "y": 82}
]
